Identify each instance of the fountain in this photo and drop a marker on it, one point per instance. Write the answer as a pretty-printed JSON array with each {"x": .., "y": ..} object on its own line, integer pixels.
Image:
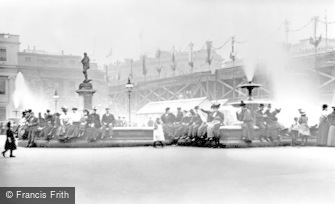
[{"x": 233, "y": 132}]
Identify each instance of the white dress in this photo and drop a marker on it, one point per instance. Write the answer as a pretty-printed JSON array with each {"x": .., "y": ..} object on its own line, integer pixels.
[{"x": 158, "y": 133}]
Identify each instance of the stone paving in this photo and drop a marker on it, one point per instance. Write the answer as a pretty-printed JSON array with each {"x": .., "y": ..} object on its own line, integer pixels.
[{"x": 178, "y": 174}]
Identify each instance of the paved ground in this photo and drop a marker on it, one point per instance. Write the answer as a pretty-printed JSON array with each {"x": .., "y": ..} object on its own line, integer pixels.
[{"x": 178, "y": 174}]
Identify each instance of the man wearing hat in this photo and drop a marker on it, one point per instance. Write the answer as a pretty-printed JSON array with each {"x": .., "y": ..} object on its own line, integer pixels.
[
  {"x": 95, "y": 119},
  {"x": 180, "y": 115},
  {"x": 182, "y": 129},
  {"x": 48, "y": 117},
  {"x": 214, "y": 126},
  {"x": 195, "y": 123},
  {"x": 202, "y": 130},
  {"x": 260, "y": 122},
  {"x": 107, "y": 121},
  {"x": 168, "y": 119},
  {"x": 247, "y": 126}
]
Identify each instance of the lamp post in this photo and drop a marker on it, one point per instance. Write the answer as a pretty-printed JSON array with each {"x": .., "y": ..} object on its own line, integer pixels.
[
  {"x": 55, "y": 97},
  {"x": 129, "y": 88}
]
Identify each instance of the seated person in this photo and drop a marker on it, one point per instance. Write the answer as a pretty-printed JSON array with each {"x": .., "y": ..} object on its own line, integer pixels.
[{"x": 47, "y": 132}]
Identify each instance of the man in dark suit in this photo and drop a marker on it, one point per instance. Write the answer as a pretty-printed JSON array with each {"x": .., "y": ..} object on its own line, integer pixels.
[
  {"x": 94, "y": 119},
  {"x": 195, "y": 123},
  {"x": 107, "y": 121},
  {"x": 168, "y": 119}
]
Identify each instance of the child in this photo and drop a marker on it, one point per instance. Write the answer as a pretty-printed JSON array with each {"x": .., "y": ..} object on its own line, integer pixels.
[
  {"x": 304, "y": 130},
  {"x": 294, "y": 131},
  {"x": 10, "y": 141},
  {"x": 158, "y": 133}
]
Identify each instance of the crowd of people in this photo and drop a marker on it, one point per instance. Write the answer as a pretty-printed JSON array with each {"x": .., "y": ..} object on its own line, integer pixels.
[
  {"x": 189, "y": 126},
  {"x": 186, "y": 125},
  {"x": 67, "y": 125}
]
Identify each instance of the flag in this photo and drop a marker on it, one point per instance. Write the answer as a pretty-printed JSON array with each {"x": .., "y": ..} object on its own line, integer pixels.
[
  {"x": 190, "y": 55},
  {"x": 159, "y": 70},
  {"x": 232, "y": 55},
  {"x": 209, "y": 52},
  {"x": 144, "y": 65},
  {"x": 173, "y": 59},
  {"x": 110, "y": 52},
  {"x": 317, "y": 42}
]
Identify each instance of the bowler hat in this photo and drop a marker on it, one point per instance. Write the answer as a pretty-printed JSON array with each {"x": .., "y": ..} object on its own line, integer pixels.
[
  {"x": 74, "y": 108},
  {"x": 242, "y": 104}
]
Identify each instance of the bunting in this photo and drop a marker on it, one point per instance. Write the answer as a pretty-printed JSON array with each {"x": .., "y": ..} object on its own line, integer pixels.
[
  {"x": 209, "y": 52},
  {"x": 190, "y": 55}
]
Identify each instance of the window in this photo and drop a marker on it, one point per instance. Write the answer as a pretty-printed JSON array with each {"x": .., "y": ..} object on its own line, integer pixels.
[
  {"x": 28, "y": 59},
  {"x": 3, "y": 56},
  {"x": 3, "y": 115},
  {"x": 3, "y": 85}
]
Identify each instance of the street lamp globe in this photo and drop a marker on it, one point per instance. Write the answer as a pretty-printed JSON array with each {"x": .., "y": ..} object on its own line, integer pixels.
[
  {"x": 55, "y": 96},
  {"x": 129, "y": 86}
]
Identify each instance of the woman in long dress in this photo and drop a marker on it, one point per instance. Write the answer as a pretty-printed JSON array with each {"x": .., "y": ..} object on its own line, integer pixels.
[
  {"x": 331, "y": 133},
  {"x": 158, "y": 133},
  {"x": 323, "y": 127},
  {"x": 10, "y": 141}
]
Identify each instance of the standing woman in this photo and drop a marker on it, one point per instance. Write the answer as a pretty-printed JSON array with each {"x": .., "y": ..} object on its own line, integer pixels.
[
  {"x": 331, "y": 134},
  {"x": 323, "y": 127},
  {"x": 10, "y": 141},
  {"x": 158, "y": 133}
]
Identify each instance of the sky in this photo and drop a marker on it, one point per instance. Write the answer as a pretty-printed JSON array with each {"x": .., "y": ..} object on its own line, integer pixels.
[{"x": 132, "y": 28}]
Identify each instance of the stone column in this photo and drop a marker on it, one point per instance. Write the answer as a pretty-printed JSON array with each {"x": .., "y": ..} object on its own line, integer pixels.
[{"x": 86, "y": 91}]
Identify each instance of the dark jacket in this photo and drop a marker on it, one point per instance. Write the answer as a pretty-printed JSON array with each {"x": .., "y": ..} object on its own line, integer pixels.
[
  {"x": 180, "y": 116},
  {"x": 219, "y": 116},
  {"x": 108, "y": 119},
  {"x": 10, "y": 141},
  {"x": 168, "y": 118},
  {"x": 94, "y": 118},
  {"x": 196, "y": 119}
]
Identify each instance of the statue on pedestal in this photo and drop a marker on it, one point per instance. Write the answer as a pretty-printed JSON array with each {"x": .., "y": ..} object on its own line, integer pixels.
[{"x": 86, "y": 65}]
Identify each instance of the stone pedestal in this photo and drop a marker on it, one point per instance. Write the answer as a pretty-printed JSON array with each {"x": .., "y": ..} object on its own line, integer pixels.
[{"x": 86, "y": 91}]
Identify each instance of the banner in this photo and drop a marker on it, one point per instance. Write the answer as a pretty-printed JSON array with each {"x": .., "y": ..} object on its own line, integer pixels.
[
  {"x": 209, "y": 52},
  {"x": 173, "y": 59},
  {"x": 144, "y": 65},
  {"x": 158, "y": 54},
  {"x": 190, "y": 55}
]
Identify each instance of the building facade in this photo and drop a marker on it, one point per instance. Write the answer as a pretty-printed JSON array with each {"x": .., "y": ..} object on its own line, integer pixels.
[{"x": 43, "y": 74}]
